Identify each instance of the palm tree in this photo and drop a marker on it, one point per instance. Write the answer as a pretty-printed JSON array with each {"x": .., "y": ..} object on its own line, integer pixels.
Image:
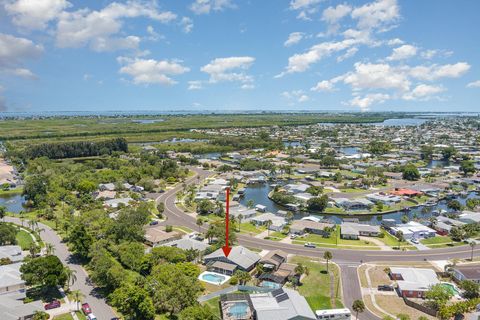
[
  {"x": 472, "y": 245},
  {"x": 33, "y": 249},
  {"x": 77, "y": 297},
  {"x": 199, "y": 224},
  {"x": 71, "y": 277},
  {"x": 327, "y": 255},
  {"x": 268, "y": 224},
  {"x": 240, "y": 218},
  {"x": 250, "y": 203},
  {"x": 358, "y": 306},
  {"x": 49, "y": 249},
  {"x": 22, "y": 216}
]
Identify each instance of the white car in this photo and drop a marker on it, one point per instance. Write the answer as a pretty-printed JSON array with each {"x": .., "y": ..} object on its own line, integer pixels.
[
  {"x": 91, "y": 316},
  {"x": 293, "y": 236},
  {"x": 414, "y": 241}
]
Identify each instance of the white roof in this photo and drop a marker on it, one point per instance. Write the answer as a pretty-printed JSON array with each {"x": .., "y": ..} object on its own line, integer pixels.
[
  {"x": 281, "y": 304},
  {"x": 415, "y": 279},
  {"x": 10, "y": 275}
]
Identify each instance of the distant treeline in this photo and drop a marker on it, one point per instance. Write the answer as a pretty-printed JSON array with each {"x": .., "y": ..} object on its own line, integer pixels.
[{"x": 75, "y": 149}]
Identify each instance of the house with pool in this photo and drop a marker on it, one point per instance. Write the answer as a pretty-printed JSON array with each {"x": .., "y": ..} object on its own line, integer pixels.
[
  {"x": 239, "y": 258},
  {"x": 413, "y": 282}
]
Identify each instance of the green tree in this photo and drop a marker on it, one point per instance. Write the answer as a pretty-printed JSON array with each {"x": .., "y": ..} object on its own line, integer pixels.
[
  {"x": 45, "y": 271},
  {"x": 318, "y": 203},
  {"x": 7, "y": 234},
  {"x": 71, "y": 277},
  {"x": 454, "y": 205},
  {"x": 438, "y": 295},
  {"x": 358, "y": 306},
  {"x": 205, "y": 206},
  {"x": 467, "y": 167},
  {"x": 77, "y": 297},
  {"x": 133, "y": 302},
  {"x": 40, "y": 315},
  {"x": 472, "y": 289},
  {"x": 131, "y": 254},
  {"x": 3, "y": 211},
  {"x": 243, "y": 276},
  {"x": 197, "y": 312},
  {"x": 171, "y": 289},
  {"x": 448, "y": 152},
  {"x": 79, "y": 240},
  {"x": 457, "y": 233},
  {"x": 410, "y": 172}
]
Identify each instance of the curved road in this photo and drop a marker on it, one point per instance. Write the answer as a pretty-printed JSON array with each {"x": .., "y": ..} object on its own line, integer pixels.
[
  {"x": 99, "y": 307},
  {"x": 348, "y": 260}
]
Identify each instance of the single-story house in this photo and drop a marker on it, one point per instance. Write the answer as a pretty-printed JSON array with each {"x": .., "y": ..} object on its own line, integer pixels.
[
  {"x": 156, "y": 236},
  {"x": 353, "y": 204},
  {"x": 261, "y": 208},
  {"x": 114, "y": 203},
  {"x": 246, "y": 213},
  {"x": 467, "y": 272},
  {"x": 469, "y": 217},
  {"x": 386, "y": 199},
  {"x": 350, "y": 230},
  {"x": 106, "y": 186},
  {"x": 302, "y": 226},
  {"x": 277, "y": 222},
  {"x": 13, "y": 308},
  {"x": 187, "y": 244},
  {"x": 12, "y": 252},
  {"x": 10, "y": 278},
  {"x": 281, "y": 304},
  {"x": 105, "y": 195},
  {"x": 406, "y": 192},
  {"x": 413, "y": 282},
  {"x": 273, "y": 259},
  {"x": 296, "y": 188},
  {"x": 243, "y": 258},
  {"x": 414, "y": 230}
]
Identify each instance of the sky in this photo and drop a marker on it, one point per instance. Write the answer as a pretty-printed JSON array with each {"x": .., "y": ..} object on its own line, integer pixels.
[{"x": 263, "y": 55}]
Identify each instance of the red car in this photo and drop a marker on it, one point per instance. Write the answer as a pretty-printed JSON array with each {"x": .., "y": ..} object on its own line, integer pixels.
[
  {"x": 86, "y": 308},
  {"x": 52, "y": 305}
]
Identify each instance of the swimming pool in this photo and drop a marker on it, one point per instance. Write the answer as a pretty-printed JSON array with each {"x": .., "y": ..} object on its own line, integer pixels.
[
  {"x": 213, "y": 278},
  {"x": 271, "y": 285},
  {"x": 238, "y": 310},
  {"x": 450, "y": 287}
]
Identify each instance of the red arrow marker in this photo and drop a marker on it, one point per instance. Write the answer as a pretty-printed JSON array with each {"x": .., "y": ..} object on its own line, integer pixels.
[{"x": 226, "y": 249}]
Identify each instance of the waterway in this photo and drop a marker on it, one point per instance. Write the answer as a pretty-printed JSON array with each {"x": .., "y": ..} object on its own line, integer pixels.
[
  {"x": 259, "y": 194},
  {"x": 12, "y": 202}
]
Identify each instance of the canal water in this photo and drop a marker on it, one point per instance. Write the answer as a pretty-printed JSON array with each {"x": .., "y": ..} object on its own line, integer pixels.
[
  {"x": 13, "y": 202},
  {"x": 259, "y": 195}
]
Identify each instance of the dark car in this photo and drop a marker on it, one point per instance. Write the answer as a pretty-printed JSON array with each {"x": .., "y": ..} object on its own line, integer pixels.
[
  {"x": 154, "y": 223},
  {"x": 385, "y": 287},
  {"x": 52, "y": 305},
  {"x": 86, "y": 308}
]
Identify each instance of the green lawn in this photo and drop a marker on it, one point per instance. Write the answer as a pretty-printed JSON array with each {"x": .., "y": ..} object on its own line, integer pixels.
[
  {"x": 24, "y": 239},
  {"x": 17, "y": 190},
  {"x": 439, "y": 242},
  {"x": 276, "y": 236},
  {"x": 316, "y": 286},
  {"x": 65, "y": 316},
  {"x": 331, "y": 242},
  {"x": 391, "y": 241},
  {"x": 80, "y": 315},
  {"x": 247, "y": 227}
]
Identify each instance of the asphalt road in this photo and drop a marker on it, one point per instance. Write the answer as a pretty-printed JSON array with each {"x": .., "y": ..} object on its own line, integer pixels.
[
  {"x": 348, "y": 260},
  {"x": 99, "y": 307}
]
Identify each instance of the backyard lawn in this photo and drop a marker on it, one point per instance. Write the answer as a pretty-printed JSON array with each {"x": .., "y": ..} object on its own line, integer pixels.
[
  {"x": 213, "y": 304},
  {"x": 316, "y": 286}
]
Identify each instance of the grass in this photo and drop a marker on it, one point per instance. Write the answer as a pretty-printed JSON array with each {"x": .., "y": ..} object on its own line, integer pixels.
[
  {"x": 391, "y": 241},
  {"x": 276, "y": 236},
  {"x": 213, "y": 304},
  {"x": 9, "y": 192},
  {"x": 80, "y": 315},
  {"x": 247, "y": 227},
  {"x": 331, "y": 242},
  {"x": 316, "y": 285},
  {"x": 66, "y": 316},
  {"x": 24, "y": 239},
  {"x": 440, "y": 242}
]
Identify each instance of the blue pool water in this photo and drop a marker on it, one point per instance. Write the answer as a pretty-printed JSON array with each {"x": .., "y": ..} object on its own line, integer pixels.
[
  {"x": 213, "y": 277},
  {"x": 271, "y": 285},
  {"x": 238, "y": 310}
]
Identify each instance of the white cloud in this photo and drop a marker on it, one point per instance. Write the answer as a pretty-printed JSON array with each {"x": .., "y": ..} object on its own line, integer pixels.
[
  {"x": 195, "y": 85},
  {"x": 474, "y": 84},
  {"x": 206, "y": 6},
  {"x": 150, "y": 71},
  {"x": 404, "y": 52},
  {"x": 14, "y": 51},
  {"x": 423, "y": 92},
  {"x": 435, "y": 72},
  {"x": 366, "y": 101},
  {"x": 187, "y": 24},
  {"x": 324, "y": 85},
  {"x": 381, "y": 14},
  {"x": 305, "y": 8},
  {"x": 230, "y": 69},
  {"x": 94, "y": 28},
  {"x": 297, "y": 95},
  {"x": 350, "y": 53},
  {"x": 395, "y": 42},
  {"x": 332, "y": 16},
  {"x": 429, "y": 54},
  {"x": 34, "y": 14},
  {"x": 293, "y": 38},
  {"x": 376, "y": 76}
]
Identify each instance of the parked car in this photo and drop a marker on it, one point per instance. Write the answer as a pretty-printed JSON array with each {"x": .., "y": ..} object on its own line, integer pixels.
[
  {"x": 293, "y": 236},
  {"x": 309, "y": 245},
  {"x": 52, "y": 305},
  {"x": 91, "y": 316},
  {"x": 414, "y": 240},
  {"x": 385, "y": 287},
  {"x": 86, "y": 308},
  {"x": 154, "y": 223}
]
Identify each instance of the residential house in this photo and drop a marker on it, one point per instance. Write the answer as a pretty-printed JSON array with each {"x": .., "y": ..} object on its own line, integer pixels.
[
  {"x": 467, "y": 272},
  {"x": 10, "y": 278},
  {"x": 273, "y": 259},
  {"x": 13, "y": 308},
  {"x": 414, "y": 230},
  {"x": 352, "y": 231},
  {"x": 277, "y": 223},
  {"x": 156, "y": 236},
  {"x": 469, "y": 217},
  {"x": 413, "y": 282},
  {"x": 115, "y": 203},
  {"x": 240, "y": 257},
  {"x": 386, "y": 199},
  {"x": 11, "y": 252},
  {"x": 353, "y": 204},
  {"x": 302, "y": 226},
  {"x": 187, "y": 244}
]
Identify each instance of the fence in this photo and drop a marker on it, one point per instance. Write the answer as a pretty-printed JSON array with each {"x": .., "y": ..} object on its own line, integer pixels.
[{"x": 420, "y": 307}]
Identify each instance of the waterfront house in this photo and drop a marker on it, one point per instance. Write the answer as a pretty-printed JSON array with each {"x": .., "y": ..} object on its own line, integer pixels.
[
  {"x": 386, "y": 199},
  {"x": 469, "y": 217},
  {"x": 277, "y": 222},
  {"x": 352, "y": 231},
  {"x": 353, "y": 204},
  {"x": 414, "y": 230}
]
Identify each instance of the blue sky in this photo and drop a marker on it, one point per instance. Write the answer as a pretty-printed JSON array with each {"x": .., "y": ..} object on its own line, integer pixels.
[{"x": 375, "y": 55}]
